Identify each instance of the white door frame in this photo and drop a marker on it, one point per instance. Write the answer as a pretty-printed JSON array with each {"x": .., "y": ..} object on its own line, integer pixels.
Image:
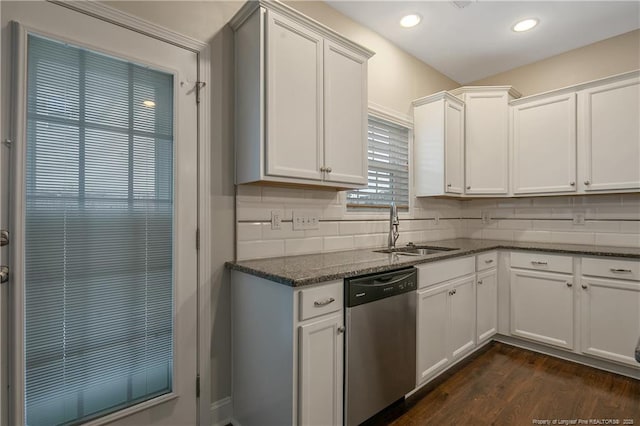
[{"x": 202, "y": 49}]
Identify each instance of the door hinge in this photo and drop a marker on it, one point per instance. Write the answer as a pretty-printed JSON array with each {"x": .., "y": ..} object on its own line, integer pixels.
[
  {"x": 198, "y": 386},
  {"x": 199, "y": 86},
  {"x": 198, "y": 239}
]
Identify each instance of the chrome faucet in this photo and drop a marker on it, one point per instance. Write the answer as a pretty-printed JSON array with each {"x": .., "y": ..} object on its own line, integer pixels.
[{"x": 394, "y": 222}]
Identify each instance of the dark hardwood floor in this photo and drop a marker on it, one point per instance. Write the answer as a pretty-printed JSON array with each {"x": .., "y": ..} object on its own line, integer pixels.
[{"x": 505, "y": 385}]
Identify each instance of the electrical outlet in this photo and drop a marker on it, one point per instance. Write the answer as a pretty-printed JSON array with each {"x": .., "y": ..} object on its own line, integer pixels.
[
  {"x": 276, "y": 219},
  {"x": 578, "y": 218},
  {"x": 486, "y": 217}
]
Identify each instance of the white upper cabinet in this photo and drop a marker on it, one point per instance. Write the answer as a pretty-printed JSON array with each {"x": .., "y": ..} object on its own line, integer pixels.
[
  {"x": 301, "y": 100},
  {"x": 438, "y": 147},
  {"x": 486, "y": 139},
  {"x": 345, "y": 114},
  {"x": 609, "y": 135},
  {"x": 294, "y": 99},
  {"x": 544, "y": 144}
]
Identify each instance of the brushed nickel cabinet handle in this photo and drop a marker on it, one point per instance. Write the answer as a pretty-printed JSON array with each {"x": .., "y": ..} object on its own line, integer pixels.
[
  {"x": 572, "y": 183},
  {"x": 328, "y": 169},
  {"x": 584, "y": 287},
  {"x": 539, "y": 262},
  {"x": 341, "y": 329},
  {"x": 620, "y": 271},
  {"x": 4, "y": 237},
  {"x": 488, "y": 261},
  {"x": 325, "y": 302},
  {"x": 569, "y": 285},
  {"x": 468, "y": 187},
  {"x": 448, "y": 185},
  {"x": 480, "y": 282},
  {"x": 586, "y": 182},
  {"x": 4, "y": 274}
]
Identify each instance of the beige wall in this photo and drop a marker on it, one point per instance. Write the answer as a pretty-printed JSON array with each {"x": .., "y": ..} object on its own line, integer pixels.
[{"x": 608, "y": 57}]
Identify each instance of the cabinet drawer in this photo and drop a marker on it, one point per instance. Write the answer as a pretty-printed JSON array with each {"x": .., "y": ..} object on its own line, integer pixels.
[
  {"x": 611, "y": 268},
  {"x": 486, "y": 261},
  {"x": 437, "y": 272},
  {"x": 542, "y": 262},
  {"x": 321, "y": 300}
]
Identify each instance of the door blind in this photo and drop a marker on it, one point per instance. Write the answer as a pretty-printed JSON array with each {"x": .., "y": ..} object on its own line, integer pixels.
[
  {"x": 99, "y": 232},
  {"x": 388, "y": 177}
]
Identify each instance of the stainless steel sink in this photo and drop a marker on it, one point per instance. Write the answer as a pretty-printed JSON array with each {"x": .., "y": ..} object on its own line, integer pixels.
[{"x": 416, "y": 250}]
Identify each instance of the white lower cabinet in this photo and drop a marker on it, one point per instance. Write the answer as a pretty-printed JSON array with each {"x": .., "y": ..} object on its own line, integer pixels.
[
  {"x": 288, "y": 346},
  {"x": 610, "y": 318},
  {"x": 446, "y": 324},
  {"x": 486, "y": 305},
  {"x": 320, "y": 371},
  {"x": 542, "y": 307}
]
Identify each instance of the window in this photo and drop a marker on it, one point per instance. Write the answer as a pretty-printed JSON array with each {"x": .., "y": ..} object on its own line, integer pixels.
[
  {"x": 99, "y": 232},
  {"x": 388, "y": 177}
]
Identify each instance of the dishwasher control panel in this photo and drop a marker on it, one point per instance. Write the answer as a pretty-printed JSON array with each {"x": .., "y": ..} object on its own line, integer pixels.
[{"x": 369, "y": 288}]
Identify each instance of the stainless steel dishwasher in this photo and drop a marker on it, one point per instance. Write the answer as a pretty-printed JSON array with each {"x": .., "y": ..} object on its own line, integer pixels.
[{"x": 380, "y": 350}]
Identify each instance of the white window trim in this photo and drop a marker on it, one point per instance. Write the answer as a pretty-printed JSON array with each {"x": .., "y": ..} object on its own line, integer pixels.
[{"x": 404, "y": 120}]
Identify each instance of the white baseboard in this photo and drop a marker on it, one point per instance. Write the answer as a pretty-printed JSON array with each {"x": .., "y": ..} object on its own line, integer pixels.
[{"x": 221, "y": 412}]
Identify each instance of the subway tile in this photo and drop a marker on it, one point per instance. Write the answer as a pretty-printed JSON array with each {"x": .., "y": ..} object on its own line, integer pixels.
[
  {"x": 324, "y": 229},
  {"x": 295, "y": 246},
  {"x": 624, "y": 240},
  {"x": 249, "y": 231},
  {"x": 573, "y": 237},
  {"x": 517, "y": 224},
  {"x": 362, "y": 227},
  {"x": 618, "y": 212},
  {"x": 285, "y": 231},
  {"x": 255, "y": 212},
  {"x": 338, "y": 243},
  {"x": 497, "y": 234},
  {"x": 333, "y": 212},
  {"x": 259, "y": 249},
  {"x": 557, "y": 202},
  {"x": 249, "y": 193},
  {"x": 630, "y": 227},
  {"x": 414, "y": 237},
  {"x": 533, "y": 213},
  {"x": 277, "y": 195},
  {"x": 320, "y": 197},
  {"x": 534, "y": 236},
  {"x": 365, "y": 241}
]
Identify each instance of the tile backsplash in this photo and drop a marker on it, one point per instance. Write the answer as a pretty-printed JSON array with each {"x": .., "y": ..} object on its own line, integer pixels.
[
  {"x": 607, "y": 220},
  {"x": 338, "y": 229},
  {"x": 601, "y": 219}
]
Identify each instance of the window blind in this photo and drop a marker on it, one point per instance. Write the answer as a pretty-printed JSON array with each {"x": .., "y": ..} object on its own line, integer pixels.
[
  {"x": 388, "y": 176},
  {"x": 99, "y": 230}
]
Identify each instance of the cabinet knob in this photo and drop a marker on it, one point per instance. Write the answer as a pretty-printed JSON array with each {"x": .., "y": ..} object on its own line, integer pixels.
[
  {"x": 341, "y": 329},
  {"x": 572, "y": 183},
  {"x": 584, "y": 287},
  {"x": 468, "y": 187},
  {"x": 569, "y": 284},
  {"x": 586, "y": 182},
  {"x": 480, "y": 282},
  {"x": 323, "y": 169},
  {"x": 448, "y": 185},
  {"x": 328, "y": 169}
]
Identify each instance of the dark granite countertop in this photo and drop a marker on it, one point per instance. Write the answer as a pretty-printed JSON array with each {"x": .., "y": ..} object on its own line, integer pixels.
[{"x": 296, "y": 271}]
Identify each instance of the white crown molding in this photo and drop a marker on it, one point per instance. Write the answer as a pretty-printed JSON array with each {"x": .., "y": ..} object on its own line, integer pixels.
[
  {"x": 281, "y": 8},
  {"x": 391, "y": 115},
  {"x": 472, "y": 89},
  {"x": 133, "y": 23},
  {"x": 444, "y": 95}
]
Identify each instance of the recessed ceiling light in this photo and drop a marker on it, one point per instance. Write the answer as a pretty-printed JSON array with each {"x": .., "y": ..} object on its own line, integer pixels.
[
  {"x": 411, "y": 20},
  {"x": 525, "y": 25},
  {"x": 149, "y": 104}
]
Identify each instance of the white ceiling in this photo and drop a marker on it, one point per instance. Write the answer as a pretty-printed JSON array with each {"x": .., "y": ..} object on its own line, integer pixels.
[{"x": 477, "y": 41}]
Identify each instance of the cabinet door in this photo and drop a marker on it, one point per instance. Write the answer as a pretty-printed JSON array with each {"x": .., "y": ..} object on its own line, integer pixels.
[
  {"x": 544, "y": 146},
  {"x": 610, "y": 136},
  {"x": 294, "y": 100},
  {"x": 433, "y": 328},
  {"x": 486, "y": 142},
  {"x": 487, "y": 305},
  {"x": 320, "y": 372},
  {"x": 610, "y": 319},
  {"x": 542, "y": 307},
  {"x": 454, "y": 147},
  {"x": 345, "y": 115},
  {"x": 462, "y": 317}
]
